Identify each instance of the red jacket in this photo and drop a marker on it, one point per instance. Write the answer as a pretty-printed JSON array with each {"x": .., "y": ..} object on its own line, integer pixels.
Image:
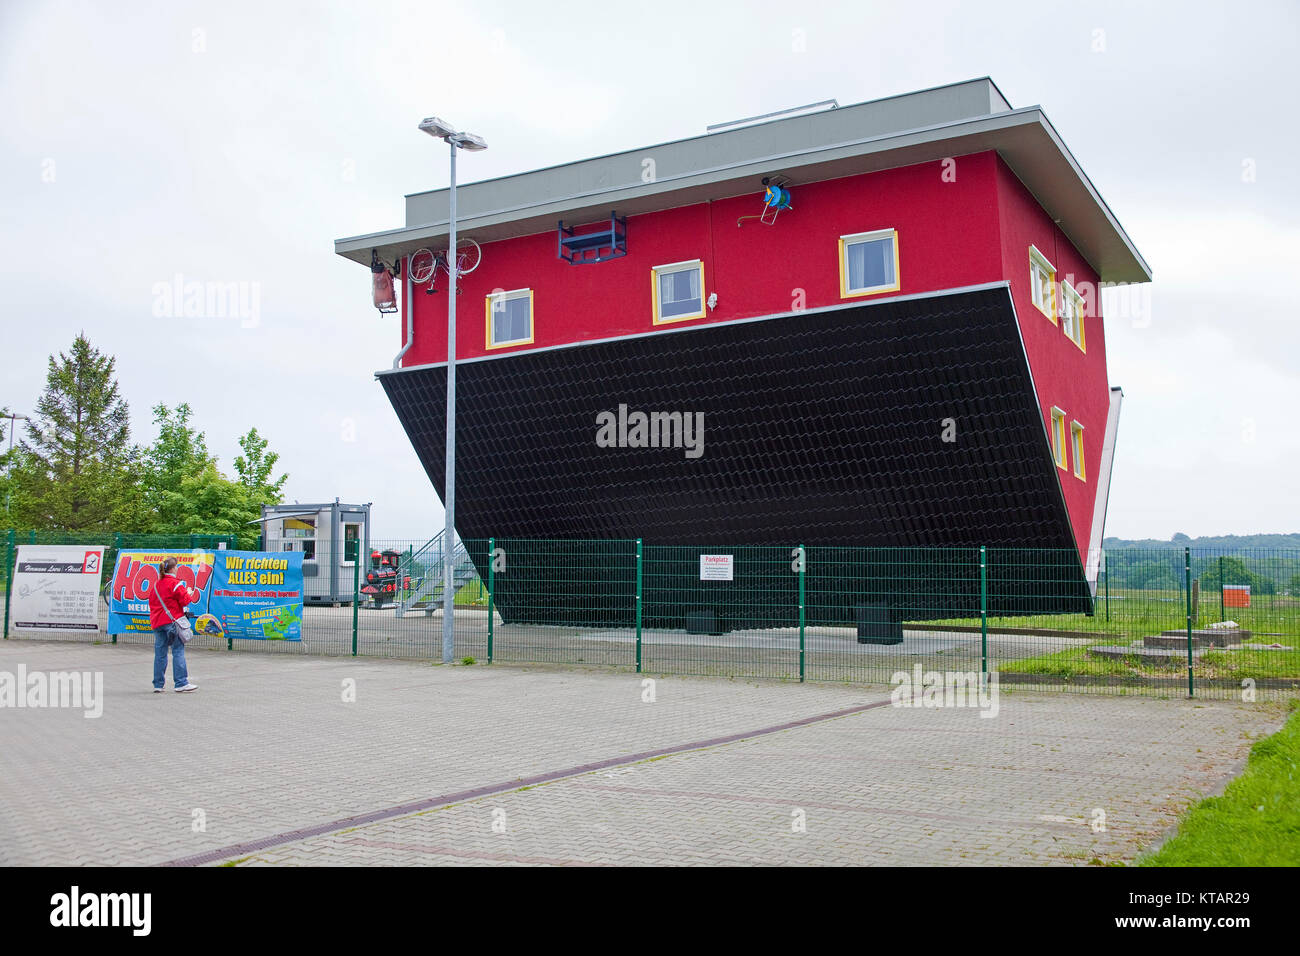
[{"x": 171, "y": 595}]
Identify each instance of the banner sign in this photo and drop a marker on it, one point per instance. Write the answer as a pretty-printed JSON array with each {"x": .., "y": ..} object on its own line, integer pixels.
[
  {"x": 716, "y": 567},
  {"x": 56, "y": 588},
  {"x": 258, "y": 594},
  {"x": 255, "y": 595}
]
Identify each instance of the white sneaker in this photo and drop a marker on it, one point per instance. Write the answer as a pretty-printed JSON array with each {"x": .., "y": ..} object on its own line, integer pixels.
[
  {"x": 157, "y": 690},
  {"x": 187, "y": 688}
]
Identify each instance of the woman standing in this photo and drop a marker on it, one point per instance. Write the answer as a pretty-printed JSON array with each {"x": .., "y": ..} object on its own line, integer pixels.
[{"x": 167, "y": 600}]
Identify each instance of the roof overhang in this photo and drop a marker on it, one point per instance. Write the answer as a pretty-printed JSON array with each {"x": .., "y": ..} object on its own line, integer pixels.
[{"x": 839, "y": 142}]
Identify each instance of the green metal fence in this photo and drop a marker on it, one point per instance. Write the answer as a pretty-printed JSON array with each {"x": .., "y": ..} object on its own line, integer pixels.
[{"x": 1157, "y": 623}]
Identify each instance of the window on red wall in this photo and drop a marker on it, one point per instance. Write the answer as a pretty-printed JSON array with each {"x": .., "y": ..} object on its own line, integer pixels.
[
  {"x": 678, "y": 291},
  {"x": 1058, "y": 437},
  {"x": 1042, "y": 283},
  {"x": 1072, "y": 315},
  {"x": 869, "y": 262},
  {"x": 509, "y": 318},
  {"x": 1076, "y": 442}
]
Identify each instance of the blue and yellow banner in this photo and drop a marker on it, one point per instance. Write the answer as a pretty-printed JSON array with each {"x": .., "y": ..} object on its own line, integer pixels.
[{"x": 254, "y": 595}]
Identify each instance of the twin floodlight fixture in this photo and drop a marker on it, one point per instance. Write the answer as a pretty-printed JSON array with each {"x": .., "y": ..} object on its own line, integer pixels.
[{"x": 441, "y": 129}]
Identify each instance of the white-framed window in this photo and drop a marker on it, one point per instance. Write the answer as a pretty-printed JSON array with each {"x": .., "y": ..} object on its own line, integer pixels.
[
  {"x": 1058, "y": 437},
  {"x": 869, "y": 263},
  {"x": 677, "y": 291},
  {"x": 509, "y": 318},
  {"x": 1042, "y": 283},
  {"x": 1076, "y": 446},
  {"x": 1072, "y": 315}
]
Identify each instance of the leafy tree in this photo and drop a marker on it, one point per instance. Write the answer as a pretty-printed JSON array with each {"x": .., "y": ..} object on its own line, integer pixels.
[
  {"x": 1235, "y": 572},
  {"x": 1294, "y": 586},
  {"x": 180, "y": 450},
  {"x": 1151, "y": 575},
  {"x": 210, "y": 503},
  {"x": 76, "y": 470},
  {"x": 255, "y": 467}
]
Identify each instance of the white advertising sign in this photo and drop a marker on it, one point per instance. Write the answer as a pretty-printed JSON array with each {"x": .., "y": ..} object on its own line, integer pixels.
[
  {"x": 56, "y": 587},
  {"x": 716, "y": 567}
]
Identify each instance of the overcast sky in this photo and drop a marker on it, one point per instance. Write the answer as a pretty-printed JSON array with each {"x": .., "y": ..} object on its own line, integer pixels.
[{"x": 233, "y": 142}]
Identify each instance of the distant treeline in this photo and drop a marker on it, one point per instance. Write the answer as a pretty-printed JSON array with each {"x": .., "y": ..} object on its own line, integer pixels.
[
  {"x": 1269, "y": 563},
  {"x": 1227, "y": 544}
]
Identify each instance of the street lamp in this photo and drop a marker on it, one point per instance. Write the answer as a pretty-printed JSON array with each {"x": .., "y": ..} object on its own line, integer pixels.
[
  {"x": 444, "y": 131},
  {"x": 13, "y": 424}
]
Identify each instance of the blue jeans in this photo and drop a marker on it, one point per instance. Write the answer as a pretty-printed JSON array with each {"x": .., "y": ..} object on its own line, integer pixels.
[{"x": 163, "y": 637}]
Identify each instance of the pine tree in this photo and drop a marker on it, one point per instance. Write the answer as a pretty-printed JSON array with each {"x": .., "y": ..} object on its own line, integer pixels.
[{"x": 76, "y": 469}]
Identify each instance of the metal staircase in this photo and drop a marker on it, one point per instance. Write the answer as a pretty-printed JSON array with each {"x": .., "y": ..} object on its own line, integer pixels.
[{"x": 426, "y": 566}]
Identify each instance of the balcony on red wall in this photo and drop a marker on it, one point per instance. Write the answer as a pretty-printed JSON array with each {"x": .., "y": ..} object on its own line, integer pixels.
[{"x": 594, "y": 245}]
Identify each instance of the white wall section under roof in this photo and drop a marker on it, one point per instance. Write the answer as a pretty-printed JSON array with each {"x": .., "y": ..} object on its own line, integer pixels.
[{"x": 925, "y": 126}]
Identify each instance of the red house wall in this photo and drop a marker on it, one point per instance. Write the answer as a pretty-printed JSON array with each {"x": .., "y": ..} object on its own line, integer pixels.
[
  {"x": 972, "y": 226},
  {"x": 947, "y": 237},
  {"x": 1064, "y": 376}
]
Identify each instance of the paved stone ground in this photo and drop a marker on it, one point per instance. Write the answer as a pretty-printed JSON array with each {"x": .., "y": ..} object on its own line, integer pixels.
[{"x": 436, "y": 760}]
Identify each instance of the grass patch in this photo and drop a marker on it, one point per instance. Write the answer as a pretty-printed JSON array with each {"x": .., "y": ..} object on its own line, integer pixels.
[
  {"x": 1139, "y": 613},
  {"x": 1234, "y": 665},
  {"x": 1257, "y": 820}
]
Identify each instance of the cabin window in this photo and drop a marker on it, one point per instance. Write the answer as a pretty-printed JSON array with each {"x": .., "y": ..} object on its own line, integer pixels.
[
  {"x": 1058, "y": 437},
  {"x": 1042, "y": 283},
  {"x": 1076, "y": 441},
  {"x": 678, "y": 291},
  {"x": 509, "y": 318},
  {"x": 869, "y": 263},
  {"x": 1072, "y": 314}
]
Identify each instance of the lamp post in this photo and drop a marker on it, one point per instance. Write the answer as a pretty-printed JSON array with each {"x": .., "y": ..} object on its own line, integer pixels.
[
  {"x": 456, "y": 140},
  {"x": 9, "y": 469}
]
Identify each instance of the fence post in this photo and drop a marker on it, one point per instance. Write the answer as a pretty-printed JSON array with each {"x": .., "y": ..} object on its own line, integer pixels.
[
  {"x": 803, "y": 562},
  {"x": 1223, "y": 610},
  {"x": 1187, "y": 578},
  {"x": 9, "y": 575},
  {"x": 984, "y": 618},
  {"x": 492, "y": 583},
  {"x": 356, "y": 595},
  {"x": 1106, "y": 566},
  {"x": 638, "y": 605}
]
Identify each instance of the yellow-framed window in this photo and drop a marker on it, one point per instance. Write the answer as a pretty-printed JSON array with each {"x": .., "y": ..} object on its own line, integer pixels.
[
  {"x": 1076, "y": 446},
  {"x": 1042, "y": 283},
  {"x": 869, "y": 263},
  {"x": 1058, "y": 437},
  {"x": 677, "y": 291},
  {"x": 1072, "y": 309},
  {"x": 509, "y": 318}
]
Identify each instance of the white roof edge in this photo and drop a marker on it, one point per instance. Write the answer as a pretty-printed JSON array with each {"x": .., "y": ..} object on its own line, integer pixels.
[{"x": 1100, "y": 505}]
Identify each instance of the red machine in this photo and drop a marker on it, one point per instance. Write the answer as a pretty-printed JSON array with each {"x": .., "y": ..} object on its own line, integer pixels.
[{"x": 382, "y": 577}]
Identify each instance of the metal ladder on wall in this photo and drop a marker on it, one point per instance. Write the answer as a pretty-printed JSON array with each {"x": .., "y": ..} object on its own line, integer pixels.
[{"x": 426, "y": 565}]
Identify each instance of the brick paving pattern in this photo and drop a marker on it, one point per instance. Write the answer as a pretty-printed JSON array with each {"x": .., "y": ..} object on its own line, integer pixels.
[{"x": 269, "y": 746}]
